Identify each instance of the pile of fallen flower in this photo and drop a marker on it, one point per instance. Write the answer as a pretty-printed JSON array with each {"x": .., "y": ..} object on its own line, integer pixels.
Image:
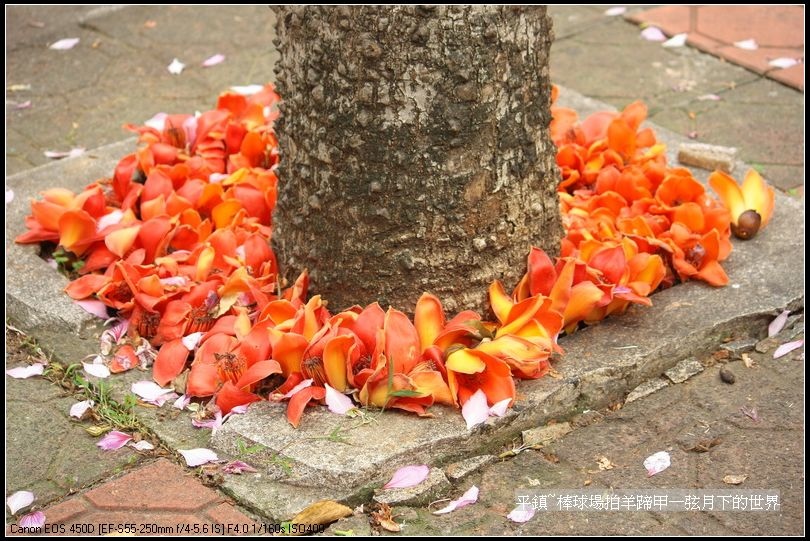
[{"x": 175, "y": 250}]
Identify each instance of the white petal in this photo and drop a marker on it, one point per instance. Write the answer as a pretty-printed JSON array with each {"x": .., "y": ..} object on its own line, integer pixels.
[
  {"x": 778, "y": 323},
  {"x": 111, "y": 218},
  {"x": 338, "y": 402},
  {"x": 783, "y": 62},
  {"x": 747, "y": 44},
  {"x": 97, "y": 308},
  {"x": 213, "y": 60},
  {"x": 248, "y": 90},
  {"x": 98, "y": 370},
  {"x": 20, "y": 500},
  {"x": 57, "y": 154},
  {"x": 176, "y": 67},
  {"x": 25, "y": 372},
  {"x": 238, "y": 410},
  {"x": 678, "y": 40},
  {"x": 614, "y": 11},
  {"x": 468, "y": 498},
  {"x": 653, "y": 33},
  {"x": 710, "y": 97},
  {"x": 64, "y": 44},
  {"x": 657, "y": 463},
  {"x": 522, "y": 513},
  {"x": 142, "y": 445},
  {"x": 303, "y": 385},
  {"x": 182, "y": 402},
  {"x": 784, "y": 349},
  {"x": 408, "y": 476},
  {"x": 78, "y": 409},
  {"x": 9, "y": 196},
  {"x": 192, "y": 340},
  {"x": 198, "y": 457},
  {"x": 33, "y": 520},
  {"x": 149, "y": 390},
  {"x": 157, "y": 122},
  {"x": 475, "y": 410},
  {"x": 499, "y": 408}
]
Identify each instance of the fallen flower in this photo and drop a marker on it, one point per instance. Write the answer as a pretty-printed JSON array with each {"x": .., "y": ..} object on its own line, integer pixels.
[
  {"x": 657, "y": 463},
  {"x": 747, "y": 44},
  {"x": 198, "y": 457},
  {"x": 784, "y": 349},
  {"x": 98, "y": 370},
  {"x": 653, "y": 33},
  {"x": 213, "y": 60},
  {"x": 64, "y": 44},
  {"x": 522, "y": 513},
  {"x": 778, "y": 323},
  {"x": 237, "y": 467},
  {"x": 468, "y": 498},
  {"x": 33, "y": 520},
  {"x": 142, "y": 445},
  {"x": 20, "y": 500},
  {"x": 78, "y": 409},
  {"x": 408, "y": 476},
  {"x": 114, "y": 440},
  {"x": 678, "y": 40},
  {"x": 25, "y": 372},
  {"x": 176, "y": 67}
]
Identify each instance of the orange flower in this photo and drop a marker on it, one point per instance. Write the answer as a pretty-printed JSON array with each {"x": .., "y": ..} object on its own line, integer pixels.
[{"x": 751, "y": 205}]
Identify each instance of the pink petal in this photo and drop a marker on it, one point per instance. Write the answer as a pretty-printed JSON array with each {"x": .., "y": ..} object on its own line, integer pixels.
[
  {"x": 198, "y": 457},
  {"x": 98, "y": 370},
  {"x": 783, "y": 62},
  {"x": 64, "y": 44},
  {"x": 176, "y": 67},
  {"x": 657, "y": 463},
  {"x": 750, "y": 412},
  {"x": 678, "y": 40},
  {"x": 9, "y": 196},
  {"x": 475, "y": 410},
  {"x": 149, "y": 390},
  {"x": 499, "y": 408},
  {"x": 57, "y": 154},
  {"x": 20, "y": 500},
  {"x": 25, "y": 372},
  {"x": 784, "y": 349},
  {"x": 213, "y": 424},
  {"x": 23, "y": 105},
  {"x": 142, "y": 445},
  {"x": 778, "y": 323},
  {"x": 747, "y": 44},
  {"x": 614, "y": 11},
  {"x": 653, "y": 33},
  {"x": 213, "y": 60},
  {"x": 303, "y": 385},
  {"x": 238, "y": 410},
  {"x": 157, "y": 122},
  {"x": 111, "y": 218},
  {"x": 33, "y": 520},
  {"x": 162, "y": 399},
  {"x": 175, "y": 281},
  {"x": 237, "y": 467},
  {"x": 182, "y": 402},
  {"x": 408, "y": 476},
  {"x": 113, "y": 440},
  {"x": 468, "y": 498},
  {"x": 709, "y": 97},
  {"x": 338, "y": 402},
  {"x": 248, "y": 90},
  {"x": 214, "y": 178},
  {"x": 192, "y": 340},
  {"x": 78, "y": 409},
  {"x": 97, "y": 308},
  {"x": 190, "y": 127},
  {"x": 522, "y": 513}
]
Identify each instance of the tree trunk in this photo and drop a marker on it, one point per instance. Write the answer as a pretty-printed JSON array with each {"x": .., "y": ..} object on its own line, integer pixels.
[{"x": 415, "y": 150}]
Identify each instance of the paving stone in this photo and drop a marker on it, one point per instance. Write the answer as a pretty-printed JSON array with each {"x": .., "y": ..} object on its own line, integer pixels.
[
  {"x": 684, "y": 370},
  {"x": 646, "y": 388},
  {"x": 459, "y": 470},
  {"x": 434, "y": 487}
]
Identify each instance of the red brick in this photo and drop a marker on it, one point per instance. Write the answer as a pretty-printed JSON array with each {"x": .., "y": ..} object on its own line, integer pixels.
[
  {"x": 756, "y": 60},
  {"x": 226, "y": 513},
  {"x": 65, "y": 511},
  {"x": 770, "y": 26},
  {"x": 159, "y": 485}
]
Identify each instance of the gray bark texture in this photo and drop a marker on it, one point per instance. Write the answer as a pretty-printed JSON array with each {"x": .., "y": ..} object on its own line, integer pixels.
[{"x": 414, "y": 150}]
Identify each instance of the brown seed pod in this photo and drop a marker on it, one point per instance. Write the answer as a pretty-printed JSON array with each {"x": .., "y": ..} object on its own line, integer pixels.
[{"x": 748, "y": 224}]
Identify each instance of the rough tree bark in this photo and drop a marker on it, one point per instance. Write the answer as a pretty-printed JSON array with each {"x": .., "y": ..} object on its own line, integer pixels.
[{"x": 414, "y": 150}]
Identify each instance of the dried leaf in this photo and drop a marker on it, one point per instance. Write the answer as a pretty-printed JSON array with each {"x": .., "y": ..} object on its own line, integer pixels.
[
  {"x": 604, "y": 463},
  {"x": 322, "y": 512},
  {"x": 734, "y": 479},
  {"x": 748, "y": 361},
  {"x": 389, "y": 524},
  {"x": 703, "y": 446}
]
